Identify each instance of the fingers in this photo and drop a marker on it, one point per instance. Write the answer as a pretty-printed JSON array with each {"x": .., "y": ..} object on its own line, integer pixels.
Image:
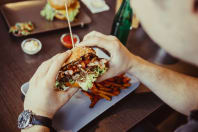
[
  {"x": 96, "y": 41},
  {"x": 103, "y": 77},
  {"x": 107, "y": 75},
  {"x": 93, "y": 34},
  {"x": 56, "y": 65},
  {"x": 44, "y": 67},
  {"x": 42, "y": 70},
  {"x": 66, "y": 95}
]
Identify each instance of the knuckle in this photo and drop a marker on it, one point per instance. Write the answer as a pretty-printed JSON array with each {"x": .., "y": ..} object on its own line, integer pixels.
[
  {"x": 43, "y": 63},
  {"x": 97, "y": 39},
  {"x": 56, "y": 55},
  {"x": 31, "y": 81},
  {"x": 93, "y": 32},
  {"x": 46, "y": 82},
  {"x": 113, "y": 38},
  {"x": 116, "y": 45},
  {"x": 89, "y": 34}
]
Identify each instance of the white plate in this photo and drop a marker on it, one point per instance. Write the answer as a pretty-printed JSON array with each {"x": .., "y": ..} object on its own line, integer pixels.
[{"x": 76, "y": 113}]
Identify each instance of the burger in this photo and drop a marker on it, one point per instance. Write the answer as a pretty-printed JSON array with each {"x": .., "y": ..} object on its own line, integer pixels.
[
  {"x": 81, "y": 70},
  {"x": 56, "y": 9}
]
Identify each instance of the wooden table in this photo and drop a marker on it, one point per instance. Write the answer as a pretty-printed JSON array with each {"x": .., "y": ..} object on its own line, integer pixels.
[{"x": 17, "y": 68}]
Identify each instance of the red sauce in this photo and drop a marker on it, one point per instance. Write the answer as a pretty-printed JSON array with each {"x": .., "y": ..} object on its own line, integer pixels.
[{"x": 67, "y": 39}]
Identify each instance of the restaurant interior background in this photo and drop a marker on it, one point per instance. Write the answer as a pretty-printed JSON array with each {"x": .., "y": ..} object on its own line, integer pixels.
[{"x": 144, "y": 108}]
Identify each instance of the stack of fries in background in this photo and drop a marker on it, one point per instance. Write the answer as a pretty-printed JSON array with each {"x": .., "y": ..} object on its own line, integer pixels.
[{"x": 107, "y": 89}]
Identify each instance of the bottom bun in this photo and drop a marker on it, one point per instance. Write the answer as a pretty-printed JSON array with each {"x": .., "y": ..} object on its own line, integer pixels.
[
  {"x": 72, "y": 12},
  {"x": 60, "y": 16}
]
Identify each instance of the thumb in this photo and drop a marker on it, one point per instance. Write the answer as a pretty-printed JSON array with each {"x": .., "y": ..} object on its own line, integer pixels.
[
  {"x": 65, "y": 96},
  {"x": 106, "y": 75}
]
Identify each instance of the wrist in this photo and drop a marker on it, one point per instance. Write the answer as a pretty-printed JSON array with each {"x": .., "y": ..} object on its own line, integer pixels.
[
  {"x": 135, "y": 62},
  {"x": 40, "y": 112},
  {"x": 36, "y": 128}
]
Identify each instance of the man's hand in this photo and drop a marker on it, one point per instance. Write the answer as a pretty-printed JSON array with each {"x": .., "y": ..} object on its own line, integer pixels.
[
  {"x": 121, "y": 58},
  {"x": 42, "y": 97}
]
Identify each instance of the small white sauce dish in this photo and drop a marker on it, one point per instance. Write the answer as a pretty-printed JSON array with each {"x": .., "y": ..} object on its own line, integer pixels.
[
  {"x": 98, "y": 3},
  {"x": 31, "y": 46}
]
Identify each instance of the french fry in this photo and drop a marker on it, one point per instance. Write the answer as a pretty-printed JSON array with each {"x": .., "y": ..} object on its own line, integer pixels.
[
  {"x": 116, "y": 89},
  {"x": 127, "y": 85},
  {"x": 115, "y": 84},
  {"x": 107, "y": 84},
  {"x": 94, "y": 100},
  {"x": 104, "y": 96},
  {"x": 121, "y": 88},
  {"x": 99, "y": 85},
  {"x": 116, "y": 92},
  {"x": 94, "y": 89},
  {"x": 106, "y": 93},
  {"x": 88, "y": 94},
  {"x": 126, "y": 80},
  {"x": 105, "y": 89}
]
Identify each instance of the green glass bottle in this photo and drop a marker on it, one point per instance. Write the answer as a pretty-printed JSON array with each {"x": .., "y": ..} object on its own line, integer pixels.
[{"x": 122, "y": 22}]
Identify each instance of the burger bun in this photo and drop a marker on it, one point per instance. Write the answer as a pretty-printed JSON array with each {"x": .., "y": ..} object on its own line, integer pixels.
[{"x": 60, "y": 4}]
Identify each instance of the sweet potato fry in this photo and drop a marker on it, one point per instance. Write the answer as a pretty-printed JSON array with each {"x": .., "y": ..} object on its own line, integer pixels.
[
  {"x": 107, "y": 84},
  {"x": 94, "y": 89},
  {"x": 121, "y": 88},
  {"x": 116, "y": 92},
  {"x": 126, "y": 80},
  {"x": 115, "y": 84},
  {"x": 105, "y": 89},
  {"x": 99, "y": 85},
  {"x": 88, "y": 94},
  {"x": 104, "y": 96},
  {"x": 94, "y": 100},
  {"x": 106, "y": 93},
  {"x": 116, "y": 89},
  {"x": 127, "y": 85}
]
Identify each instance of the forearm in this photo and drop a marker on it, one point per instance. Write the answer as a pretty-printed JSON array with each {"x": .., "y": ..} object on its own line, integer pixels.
[
  {"x": 36, "y": 129},
  {"x": 177, "y": 90}
]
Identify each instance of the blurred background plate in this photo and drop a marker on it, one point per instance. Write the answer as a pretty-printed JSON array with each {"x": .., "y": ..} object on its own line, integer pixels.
[{"x": 30, "y": 11}]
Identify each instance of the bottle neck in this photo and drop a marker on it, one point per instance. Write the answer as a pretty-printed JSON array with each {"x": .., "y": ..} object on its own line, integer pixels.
[
  {"x": 125, "y": 3},
  {"x": 124, "y": 6}
]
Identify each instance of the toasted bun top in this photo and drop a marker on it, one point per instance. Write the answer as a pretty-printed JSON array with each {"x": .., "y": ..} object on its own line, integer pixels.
[
  {"x": 60, "y": 4},
  {"x": 77, "y": 52}
]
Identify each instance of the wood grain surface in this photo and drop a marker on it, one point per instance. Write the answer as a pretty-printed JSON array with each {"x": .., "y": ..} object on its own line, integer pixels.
[{"x": 16, "y": 68}]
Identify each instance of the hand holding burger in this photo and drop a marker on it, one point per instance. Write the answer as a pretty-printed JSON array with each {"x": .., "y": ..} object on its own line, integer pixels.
[
  {"x": 81, "y": 70},
  {"x": 42, "y": 97},
  {"x": 66, "y": 71}
]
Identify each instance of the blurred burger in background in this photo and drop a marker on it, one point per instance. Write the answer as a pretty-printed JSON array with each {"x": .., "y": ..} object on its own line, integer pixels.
[{"x": 56, "y": 9}]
